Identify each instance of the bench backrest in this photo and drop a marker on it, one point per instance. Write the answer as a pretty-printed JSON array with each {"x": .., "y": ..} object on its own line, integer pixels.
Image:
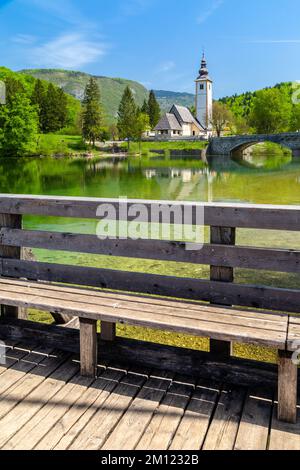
[{"x": 222, "y": 253}]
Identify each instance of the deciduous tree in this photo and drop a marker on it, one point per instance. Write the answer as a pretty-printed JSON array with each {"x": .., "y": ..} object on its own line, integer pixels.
[
  {"x": 271, "y": 112},
  {"x": 222, "y": 117}
]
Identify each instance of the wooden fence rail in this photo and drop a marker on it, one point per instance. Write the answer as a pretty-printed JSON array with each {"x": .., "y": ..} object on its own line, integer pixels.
[{"x": 221, "y": 254}]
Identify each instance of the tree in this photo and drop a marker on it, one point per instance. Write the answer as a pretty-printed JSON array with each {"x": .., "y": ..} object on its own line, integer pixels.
[
  {"x": 62, "y": 109},
  {"x": 50, "y": 115},
  {"x": 92, "y": 114},
  {"x": 295, "y": 121},
  {"x": 127, "y": 116},
  {"x": 145, "y": 107},
  {"x": 153, "y": 110},
  {"x": 142, "y": 124},
  {"x": 18, "y": 122},
  {"x": 38, "y": 99},
  {"x": 113, "y": 130},
  {"x": 222, "y": 117},
  {"x": 271, "y": 112}
]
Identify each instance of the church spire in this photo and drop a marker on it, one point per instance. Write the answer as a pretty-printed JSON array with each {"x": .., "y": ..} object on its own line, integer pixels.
[{"x": 203, "y": 72}]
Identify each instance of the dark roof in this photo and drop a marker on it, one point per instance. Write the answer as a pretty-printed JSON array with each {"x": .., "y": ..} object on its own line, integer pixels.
[
  {"x": 203, "y": 72},
  {"x": 168, "y": 122},
  {"x": 185, "y": 116}
]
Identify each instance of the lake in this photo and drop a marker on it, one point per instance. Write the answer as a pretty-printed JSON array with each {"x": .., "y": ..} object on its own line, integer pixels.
[{"x": 262, "y": 179}]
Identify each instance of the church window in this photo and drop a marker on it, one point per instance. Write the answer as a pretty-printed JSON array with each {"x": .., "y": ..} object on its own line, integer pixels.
[{"x": 201, "y": 86}]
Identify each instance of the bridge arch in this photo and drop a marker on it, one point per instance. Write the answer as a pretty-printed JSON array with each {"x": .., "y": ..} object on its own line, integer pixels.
[
  {"x": 241, "y": 147},
  {"x": 228, "y": 145}
]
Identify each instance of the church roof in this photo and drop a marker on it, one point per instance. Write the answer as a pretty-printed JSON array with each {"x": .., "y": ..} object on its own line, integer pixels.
[
  {"x": 185, "y": 116},
  {"x": 203, "y": 72},
  {"x": 168, "y": 122}
]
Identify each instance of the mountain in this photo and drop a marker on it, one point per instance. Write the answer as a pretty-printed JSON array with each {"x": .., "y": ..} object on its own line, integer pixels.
[
  {"x": 166, "y": 99},
  {"x": 112, "y": 89},
  {"x": 74, "y": 84}
]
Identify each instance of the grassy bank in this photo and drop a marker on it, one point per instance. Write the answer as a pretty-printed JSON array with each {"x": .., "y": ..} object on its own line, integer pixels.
[
  {"x": 54, "y": 144},
  {"x": 148, "y": 147},
  {"x": 270, "y": 149}
]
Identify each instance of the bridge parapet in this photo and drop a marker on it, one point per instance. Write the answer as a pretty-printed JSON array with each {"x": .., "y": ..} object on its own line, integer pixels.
[{"x": 228, "y": 145}]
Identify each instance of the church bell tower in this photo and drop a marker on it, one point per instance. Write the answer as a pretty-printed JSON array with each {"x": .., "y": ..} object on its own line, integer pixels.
[{"x": 204, "y": 97}]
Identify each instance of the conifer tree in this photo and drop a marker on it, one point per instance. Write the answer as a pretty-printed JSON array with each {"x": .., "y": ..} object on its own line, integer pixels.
[
  {"x": 50, "y": 120},
  {"x": 38, "y": 99},
  {"x": 127, "y": 116},
  {"x": 92, "y": 114},
  {"x": 153, "y": 109},
  {"x": 145, "y": 107}
]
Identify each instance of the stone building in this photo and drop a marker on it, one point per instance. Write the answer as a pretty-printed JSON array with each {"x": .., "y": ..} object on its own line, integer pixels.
[{"x": 180, "y": 122}]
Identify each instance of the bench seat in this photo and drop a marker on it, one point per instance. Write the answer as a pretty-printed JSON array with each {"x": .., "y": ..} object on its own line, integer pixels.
[
  {"x": 193, "y": 318},
  {"x": 214, "y": 322}
]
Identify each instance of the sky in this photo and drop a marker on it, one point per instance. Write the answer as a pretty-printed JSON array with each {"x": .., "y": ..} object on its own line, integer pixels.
[{"x": 249, "y": 44}]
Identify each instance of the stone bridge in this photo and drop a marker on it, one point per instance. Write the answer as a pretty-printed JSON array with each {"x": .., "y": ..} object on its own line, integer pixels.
[{"x": 230, "y": 145}]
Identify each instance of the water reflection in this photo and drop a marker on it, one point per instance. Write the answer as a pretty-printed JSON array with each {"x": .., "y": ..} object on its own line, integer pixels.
[{"x": 259, "y": 179}]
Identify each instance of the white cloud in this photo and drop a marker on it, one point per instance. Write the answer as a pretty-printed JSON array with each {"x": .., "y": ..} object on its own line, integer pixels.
[
  {"x": 68, "y": 51},
  {"x": 215, "y": 4}
]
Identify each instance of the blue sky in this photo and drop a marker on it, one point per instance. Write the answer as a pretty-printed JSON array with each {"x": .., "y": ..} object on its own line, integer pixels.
[{"x": 249, "y": 44}]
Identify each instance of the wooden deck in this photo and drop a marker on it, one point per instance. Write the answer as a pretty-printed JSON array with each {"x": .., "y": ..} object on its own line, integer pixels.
[{"x": 45, "y": 404}]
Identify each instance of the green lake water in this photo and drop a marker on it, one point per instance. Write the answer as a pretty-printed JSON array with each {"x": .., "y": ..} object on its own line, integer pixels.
[{"x": 264, "y": 179}]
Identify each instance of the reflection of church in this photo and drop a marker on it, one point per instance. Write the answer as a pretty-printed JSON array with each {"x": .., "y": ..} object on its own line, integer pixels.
[{"x": 180, "y": 122}]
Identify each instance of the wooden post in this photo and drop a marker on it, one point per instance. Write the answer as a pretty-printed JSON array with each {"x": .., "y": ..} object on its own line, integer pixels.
[
  {"x": 222, "y": 236},
  {"x": 88, "y": 347},
  {"x": 287, "y": 388},
  {"x": 11, "y": 252},
  {"x": 108, "y": 331}
]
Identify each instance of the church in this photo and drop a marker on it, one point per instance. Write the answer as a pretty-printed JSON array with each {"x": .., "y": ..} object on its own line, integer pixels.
[{"x": 180, "y": 122}]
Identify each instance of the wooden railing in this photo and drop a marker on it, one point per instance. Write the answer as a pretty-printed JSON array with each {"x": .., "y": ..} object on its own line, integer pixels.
[{"x": 221, "y": 254}]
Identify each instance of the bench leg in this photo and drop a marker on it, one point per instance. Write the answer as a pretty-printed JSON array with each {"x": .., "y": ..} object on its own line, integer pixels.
[
  {"x": 287, "y": 388},
  {"x": 108, "y": 331},
  {"x": 221, "y": 348},
  {"x": 88, "y": 347}
]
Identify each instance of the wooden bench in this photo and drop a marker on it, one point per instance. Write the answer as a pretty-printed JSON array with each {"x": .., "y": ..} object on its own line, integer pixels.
[{"x": 38, "y": 285}]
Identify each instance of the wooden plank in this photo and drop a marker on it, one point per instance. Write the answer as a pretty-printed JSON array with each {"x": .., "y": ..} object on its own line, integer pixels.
[
  {"x": 13, "y": 378},
  {"x": 206, "y": 327},
  {"x": 10, "y": 354},
  {"x": 222, "y": 236},
  {"x": 287, "y": 388},
  {"x": 216, "y": 254},
  {"x": 145, "y": 354},
  {"x": 108, "y": 331},
  {"x": 263, "y": 297},
  {"x": 262, "y": 319},
  {"x": 253, "y": 431},
  {"x": 37, "y": 427},
  {"x": 216, "y": 214},
  {"x": 224, "y": 427},
  {"x": 88, "y": 347},
  {"x": 284, "y": 436},
  {"x": 68, "y": 426},
  {"x": 108, "y": 414},
  {"x": 132, "y": 425},
  {"x": 196, "y": 420},
  {"x": 267, "y": 320},
  {"x": 12, "y": 422},
  {"x": 163, "y": 426},
  {"x": 293, "y": 339},
  {"x": 10, "y": 252}
]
